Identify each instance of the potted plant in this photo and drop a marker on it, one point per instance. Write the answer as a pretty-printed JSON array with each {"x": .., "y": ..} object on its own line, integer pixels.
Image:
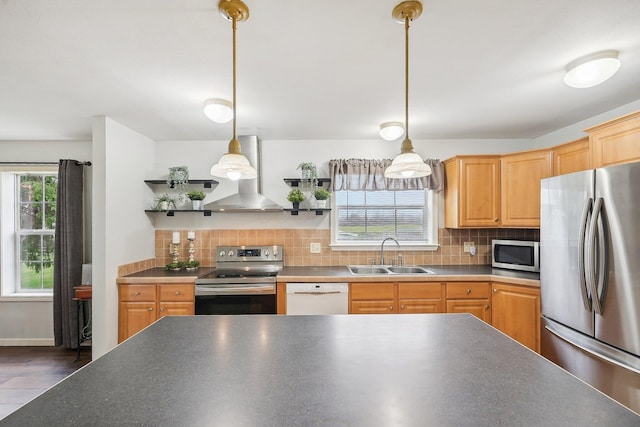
[
  {"x": 196, "y": 198},
  {"x": 174, "y": 266},
  {"x": 295, "y": 196},
  {"x": 321, "y": 195},
  {"x": 178, "y": 178},
  {"x": 164, "y": 202},
  {"x": 309, "y": 172}
]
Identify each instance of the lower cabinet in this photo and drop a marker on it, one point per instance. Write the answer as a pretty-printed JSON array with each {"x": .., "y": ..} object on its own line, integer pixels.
[
  {"x": 142, "y": 304},
  {"x": 516, "y": 312},
  {"x": 384, "y": 298},
  {"x": 470, "y": 297}
]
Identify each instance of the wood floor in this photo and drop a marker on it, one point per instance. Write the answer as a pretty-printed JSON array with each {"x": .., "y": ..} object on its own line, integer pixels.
[{"x": 26, "y": 372}]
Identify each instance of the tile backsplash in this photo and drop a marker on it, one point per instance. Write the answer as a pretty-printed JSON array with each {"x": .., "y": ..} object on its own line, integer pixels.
[{"x": 296, "y": 243}]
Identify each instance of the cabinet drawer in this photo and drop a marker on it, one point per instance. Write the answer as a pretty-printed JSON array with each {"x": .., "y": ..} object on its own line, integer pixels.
[
  {"x": 460, "y": 290},
  {"x": 364, "y": 291},
  {"x": 373, "y": 307},
  {"x": 137, "y": 293},
  {"x": 420, "y": 290},
  {"x": 176, "y": 292}
]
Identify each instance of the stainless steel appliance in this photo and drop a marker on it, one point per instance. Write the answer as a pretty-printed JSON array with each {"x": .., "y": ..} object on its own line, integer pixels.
[
  {"x": 317, "y": 298},
  {"x": 521, "y": 255},
  {"x": 244, "y": 281},
  {"x": 590, "y": 277}
]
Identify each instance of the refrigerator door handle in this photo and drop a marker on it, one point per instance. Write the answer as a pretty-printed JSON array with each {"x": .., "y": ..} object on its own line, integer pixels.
[
  {"x": 582, "y": 270},
  {"x": 599, "y": 274},
  {"x": 600, "y": 353}
]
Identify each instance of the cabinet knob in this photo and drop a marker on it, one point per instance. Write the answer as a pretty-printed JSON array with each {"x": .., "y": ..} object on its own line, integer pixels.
[
  {"x": 177, "y": 292},
  {"x": 495, "y": 290},
  {"x": 402, "y": 306},
  {"x": 486, "y": 307},
  {"x": 150, "y": 308},
  {"x": 468, "y": 291},
  {"x": 162, "y": 309},
  {"x": 136, "y": 294},
  {"x": 390, "y": 308},
  {"x": 496, "y": 220}
]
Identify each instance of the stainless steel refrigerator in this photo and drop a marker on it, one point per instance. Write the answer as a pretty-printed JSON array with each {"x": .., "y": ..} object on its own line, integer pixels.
[{"x": 590, "y": 277}]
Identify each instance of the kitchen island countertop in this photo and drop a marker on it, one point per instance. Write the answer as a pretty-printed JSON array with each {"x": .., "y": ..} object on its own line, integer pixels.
[{"x": 376, "y": 370}]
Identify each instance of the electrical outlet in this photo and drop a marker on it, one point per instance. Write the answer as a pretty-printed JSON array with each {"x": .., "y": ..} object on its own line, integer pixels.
[
  {"x": 468, "y": 246},
  {"x": 314, "y": 248}
]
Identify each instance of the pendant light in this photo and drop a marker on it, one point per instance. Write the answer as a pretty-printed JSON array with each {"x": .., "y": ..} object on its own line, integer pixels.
[
  {"x": 407, "y": 164},
  {"x": 234, "y": 165}
]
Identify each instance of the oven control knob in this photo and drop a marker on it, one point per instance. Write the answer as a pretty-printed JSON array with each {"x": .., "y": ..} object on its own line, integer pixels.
[
  {"x": 275, "y": 252},
  {"x": 222, "y": 253},
  {"x": 230, "y": 253},
  {"x": 266, "y": 253}
]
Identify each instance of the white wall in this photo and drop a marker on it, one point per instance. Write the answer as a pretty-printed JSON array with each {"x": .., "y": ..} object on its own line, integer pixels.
[
  {"x": 122, "y": 232},
  {"x": 28, "y": 321},
  {"x": 576, "y": 131}
]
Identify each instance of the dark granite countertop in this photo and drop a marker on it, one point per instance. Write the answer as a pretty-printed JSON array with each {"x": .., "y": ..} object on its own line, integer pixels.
[{"x": 374, "y": 370}]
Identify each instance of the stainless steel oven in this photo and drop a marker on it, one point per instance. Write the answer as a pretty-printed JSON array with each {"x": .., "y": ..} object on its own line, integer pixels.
[{"x": 244, "y": 281}]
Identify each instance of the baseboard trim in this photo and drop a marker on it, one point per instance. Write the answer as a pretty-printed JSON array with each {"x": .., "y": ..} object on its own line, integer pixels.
[{"x": 27, "y": 342}]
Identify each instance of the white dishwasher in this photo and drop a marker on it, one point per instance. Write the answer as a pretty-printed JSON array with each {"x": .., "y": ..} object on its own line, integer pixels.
[{"x": 317, "y": 298}]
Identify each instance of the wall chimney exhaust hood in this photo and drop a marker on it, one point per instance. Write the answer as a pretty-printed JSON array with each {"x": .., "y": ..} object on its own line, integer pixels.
[{"x": 249, "y": 197}]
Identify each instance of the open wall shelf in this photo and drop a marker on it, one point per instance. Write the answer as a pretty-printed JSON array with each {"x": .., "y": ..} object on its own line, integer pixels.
[
  {"x": 295, "y": 182},
  {"x": 206, "y": 183},
  {"x": 172, "y": 212}
]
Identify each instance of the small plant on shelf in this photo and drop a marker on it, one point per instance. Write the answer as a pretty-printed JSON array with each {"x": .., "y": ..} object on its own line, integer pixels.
[
  {"x": 164, "y": 202},
  {"x": 174, "y": 266},
  {"x": 178, "y": 178},
  {"x": 308, "y": 170},
  {"x": 196, "y": 198},
  {"x": 321, "y": 195},
  {"x": 295, "y": 197}
]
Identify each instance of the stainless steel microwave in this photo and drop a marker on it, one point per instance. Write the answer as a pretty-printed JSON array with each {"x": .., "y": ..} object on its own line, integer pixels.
[{"x": 516, "y": 255}]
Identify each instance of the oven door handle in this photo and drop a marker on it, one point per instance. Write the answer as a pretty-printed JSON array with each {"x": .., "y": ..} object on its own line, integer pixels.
[{"x": 235, "y": 290}]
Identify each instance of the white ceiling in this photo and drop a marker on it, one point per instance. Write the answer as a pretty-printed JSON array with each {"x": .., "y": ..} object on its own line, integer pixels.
[{"x": 329, "y": 69}]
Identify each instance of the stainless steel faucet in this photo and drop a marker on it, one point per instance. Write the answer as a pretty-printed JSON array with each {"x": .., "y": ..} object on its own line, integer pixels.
[{"x": 382, "y": 248}]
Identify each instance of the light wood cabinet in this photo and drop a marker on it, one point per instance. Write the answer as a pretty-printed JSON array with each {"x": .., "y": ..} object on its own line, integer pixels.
[
  {"x": 571, "y": 157},
  {"x": 403, "y": 298},
  {"x": 516, "y": 312},
  {"x": 142, "y": 304},
  {"x": 520, "y": 190},
  {"x": 469, "y": 297},
  {"x": 616, "y": 141},
  {"x": 472, "y": 191}
]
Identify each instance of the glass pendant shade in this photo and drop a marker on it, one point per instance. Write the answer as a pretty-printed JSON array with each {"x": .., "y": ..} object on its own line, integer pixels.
[
  {"x": 218, "y": 110},
  {"x": 234, "y": 167},
  {"x": 592, "y": 70},
  {"x": 407, "y": 165}
]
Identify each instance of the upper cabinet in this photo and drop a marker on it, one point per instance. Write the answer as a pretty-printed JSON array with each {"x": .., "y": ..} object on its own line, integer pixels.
[
  {"x": 520, "y": 190},
  {"x": 571, "y": 157},
  {"x": 472, "y": 191},
  {"x": 616, "y": 141}
]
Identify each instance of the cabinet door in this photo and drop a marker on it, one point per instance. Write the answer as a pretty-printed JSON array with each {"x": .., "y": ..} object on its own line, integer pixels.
[
  {"x": 615, "y": 142},
  {"x": 481, "y": 308},
  {"x": 516, "y": 312},
  {"x": 373, "y": 307},
  {"x": 571, "y": 157},
  {"x": 521, "y": 175},
  {"x": 472, "y": 192},
  {"x": 135, "y": 316},
  {"x": 176, "y": 309}
]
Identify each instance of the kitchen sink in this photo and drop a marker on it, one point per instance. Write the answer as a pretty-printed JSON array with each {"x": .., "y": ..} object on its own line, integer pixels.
[
  {"x": 387, "y": 270},
  {"x": 413, "y": 269}
]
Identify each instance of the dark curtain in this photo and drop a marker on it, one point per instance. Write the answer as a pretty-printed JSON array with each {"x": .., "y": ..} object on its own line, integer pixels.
[
  {"x": 68, "y": 252},
  {"x": 365, "y": 174}
]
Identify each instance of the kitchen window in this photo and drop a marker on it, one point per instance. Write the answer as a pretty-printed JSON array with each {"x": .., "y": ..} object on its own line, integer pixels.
[
  {"x": 28, "y": 204},
  {"x": 367, "y": 208}
]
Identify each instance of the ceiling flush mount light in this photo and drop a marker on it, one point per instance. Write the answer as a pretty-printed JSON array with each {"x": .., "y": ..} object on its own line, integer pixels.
[
  {"x": 593, "y": 69},
  {"x": 391, "y": 130},
  {"x": 218, "y": 110},
  {"x": 407, "y": 164},
  {"x": 234, "y": 165}
]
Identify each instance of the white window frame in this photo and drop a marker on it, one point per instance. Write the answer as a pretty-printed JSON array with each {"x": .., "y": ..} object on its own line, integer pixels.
[
  {"x": 432, "y": 223},
  {"x": 9, "y": 214}
]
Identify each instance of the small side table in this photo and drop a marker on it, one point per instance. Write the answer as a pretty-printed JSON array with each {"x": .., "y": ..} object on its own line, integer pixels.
[{"x": 83, "y": 296}]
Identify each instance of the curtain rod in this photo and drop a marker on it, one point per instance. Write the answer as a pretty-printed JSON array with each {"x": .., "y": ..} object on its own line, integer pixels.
[{"x": 78, "y": 162}]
